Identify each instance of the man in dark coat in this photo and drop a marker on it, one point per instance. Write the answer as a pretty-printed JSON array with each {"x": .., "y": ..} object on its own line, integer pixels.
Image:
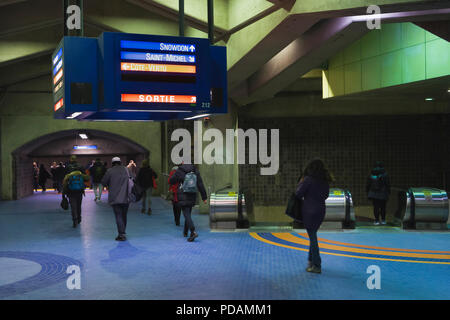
[
  {"x": 116, "y": 180},
  {"x": 378, "y": 189},
  {"x": 43, "y": 176},
  {"x": 187, "y": 200}
]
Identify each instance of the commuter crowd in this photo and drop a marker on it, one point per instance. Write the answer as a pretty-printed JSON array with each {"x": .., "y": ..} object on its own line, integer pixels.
[{"x": 125, "y": 184}]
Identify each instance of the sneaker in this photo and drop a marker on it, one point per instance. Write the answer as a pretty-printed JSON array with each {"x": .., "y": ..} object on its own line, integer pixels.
[
  {"x": 193, "y": 236},
  {"x": 383, "y": 222},
  {"x": 185, "y": 234},
  {"x": 376, "y": 223},
  {"x": 314, "y": 269},
  {"x": 121, "y": 238}
]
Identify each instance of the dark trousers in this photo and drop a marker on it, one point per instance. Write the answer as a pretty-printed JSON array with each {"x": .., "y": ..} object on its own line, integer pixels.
[
  {"x": 75, "y": 200},
  {"x": 176, "y": 212},
  {"x": 313, "y": 255},
  {"x": 121, "y": 210},
  {"x": 188, "y": 223},
  {"x": 379, "y": 208}
]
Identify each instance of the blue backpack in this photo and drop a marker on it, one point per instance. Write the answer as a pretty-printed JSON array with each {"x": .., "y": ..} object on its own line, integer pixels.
[
  {"x": 76, "y": 183},
  {"x": 190, "y": 183}
]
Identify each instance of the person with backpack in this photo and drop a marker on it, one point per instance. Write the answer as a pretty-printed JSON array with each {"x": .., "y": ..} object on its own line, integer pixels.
[
  {"x": 116, "y": 179},
  {"x": 378, "y": 189},
  {"x": 73, "y": 188},
  {"x": 144, "y": 179},
  {"x": 190, "y": 182},
  {"x": 97, "y": 171},
  {"x": 314, "y": 189}
]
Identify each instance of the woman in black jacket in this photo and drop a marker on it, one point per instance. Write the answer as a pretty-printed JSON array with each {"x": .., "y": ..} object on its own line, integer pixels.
[
  {"x": 144, "y": 179},
  {"x": 313, "y": 189},
  {"x": 187, "y": 200}
]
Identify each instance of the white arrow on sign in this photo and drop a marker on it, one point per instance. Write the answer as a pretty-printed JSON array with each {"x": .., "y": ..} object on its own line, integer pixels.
[
  {"x": 191, "y": 59},
  {"x": 192, "y": 48}
]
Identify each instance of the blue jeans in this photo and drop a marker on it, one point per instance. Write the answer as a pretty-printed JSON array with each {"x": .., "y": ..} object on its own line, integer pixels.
[
  {"x": 147, "y": 199},
  {"x": 188, "y": 223},
  {"x": 313, "y": 255}
]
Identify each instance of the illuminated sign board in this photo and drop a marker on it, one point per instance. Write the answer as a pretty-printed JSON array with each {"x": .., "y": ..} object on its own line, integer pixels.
[
  {"x": 161, "y": 46},
  {"x": 59, "y": 104},
  {"x": 120, "y": 76},
  {"x": 159, "y": 98},
  {"x": 152, "y": 67},
  {"x": 85, "y": 147},
  {"x": 157, "y": 57}
]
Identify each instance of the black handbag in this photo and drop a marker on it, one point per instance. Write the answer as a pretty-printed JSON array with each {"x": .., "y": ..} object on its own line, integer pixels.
[
  {"x": 64, "y": 203},
  {"x": 294, "y": 208}
]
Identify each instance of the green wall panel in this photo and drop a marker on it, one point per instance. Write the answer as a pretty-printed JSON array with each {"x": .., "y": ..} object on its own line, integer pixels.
[
  {"x": 391, "y": 37},
  {"x": 353, "y": 52},
  {"x": 370, "y": 44},
  {"x": 413, "y": 63},
  {"x": 437, "y": 58},
  {"x": 398, "y": 53},
  {"x": 352, "y": 76},
  {"x": 412, "y": 35},
  {"x": 371, "y": 73}
]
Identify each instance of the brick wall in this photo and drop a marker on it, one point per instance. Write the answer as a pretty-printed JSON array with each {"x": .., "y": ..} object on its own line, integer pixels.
[{"x": 415, "y": 150}]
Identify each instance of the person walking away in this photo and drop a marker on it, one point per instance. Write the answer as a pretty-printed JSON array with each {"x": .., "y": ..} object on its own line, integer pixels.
[
  {"x": 145, "y": 180},
  {"x": 53, "y": 173},
  {"x": 314, "y": 189},
  {"x": 73, "y": 165},
  {"x": 97, "y": 172},
  {"x": 190, "y": 182},
  {"x": 173, "y": 191},
  {"x": 378, "y": 189},
  {"x": 35, "y": 176},
  {"x": 60, "y": 173},
  {"x": 73, "y": 188},
  {"x": 43, "y": 176},
  {"x": 116, "y": 180}
]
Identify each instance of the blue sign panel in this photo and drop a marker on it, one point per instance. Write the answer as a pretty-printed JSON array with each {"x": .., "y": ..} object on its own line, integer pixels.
[{"x": 141, "y": 77}]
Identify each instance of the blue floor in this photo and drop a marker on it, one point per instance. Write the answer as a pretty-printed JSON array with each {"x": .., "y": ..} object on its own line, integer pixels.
[{"x": 38, "y": 243}]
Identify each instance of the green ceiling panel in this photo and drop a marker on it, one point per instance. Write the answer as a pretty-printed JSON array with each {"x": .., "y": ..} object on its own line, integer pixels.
[
  {"x": 337, "y": 81},
  {"x": 353, "y": 52}
]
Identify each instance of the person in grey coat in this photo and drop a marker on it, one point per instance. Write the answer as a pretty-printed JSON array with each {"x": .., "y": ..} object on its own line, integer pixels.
[
  {"x": 116, "y": 180},
  {"x": 378, "y": 188}
]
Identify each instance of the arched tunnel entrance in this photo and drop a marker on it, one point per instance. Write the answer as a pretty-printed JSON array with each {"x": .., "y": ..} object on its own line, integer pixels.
[{"x": 59, "y": 146}]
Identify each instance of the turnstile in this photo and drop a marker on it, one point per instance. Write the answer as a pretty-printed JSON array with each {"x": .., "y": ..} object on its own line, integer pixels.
[
  {"x": 425, "y": 208},
  {"x": 228, "y": 210}
]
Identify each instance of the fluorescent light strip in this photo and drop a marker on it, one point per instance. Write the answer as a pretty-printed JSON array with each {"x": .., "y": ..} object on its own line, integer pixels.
[
  {"x": 74, "y": 115},
  {"x": 83, "y": 136},
  {"x": 140, "y": 110},
  {"x": 198, "y": 116}
]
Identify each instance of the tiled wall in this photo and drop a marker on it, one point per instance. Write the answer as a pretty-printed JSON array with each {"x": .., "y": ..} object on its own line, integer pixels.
[{"x": 415, "y": 150}]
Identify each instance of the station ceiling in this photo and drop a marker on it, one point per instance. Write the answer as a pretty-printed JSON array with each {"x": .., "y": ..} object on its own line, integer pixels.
[{"x": 271, "y": 44}]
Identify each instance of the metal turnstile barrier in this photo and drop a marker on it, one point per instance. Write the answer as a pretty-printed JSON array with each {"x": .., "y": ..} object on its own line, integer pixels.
[
  {"x": 425, "y": 208},
  {"x": 228, "y": 210}
]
